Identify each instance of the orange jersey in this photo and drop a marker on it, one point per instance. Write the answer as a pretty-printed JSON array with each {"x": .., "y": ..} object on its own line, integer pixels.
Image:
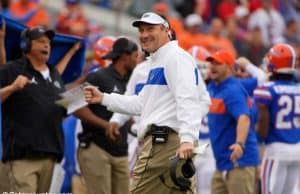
[
  {"x": 187, "y": 40},
  {"x": 41, "y": 17}
]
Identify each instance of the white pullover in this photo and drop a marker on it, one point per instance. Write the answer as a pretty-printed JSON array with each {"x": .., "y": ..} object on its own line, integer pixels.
[{"x": 174, "y": 95}]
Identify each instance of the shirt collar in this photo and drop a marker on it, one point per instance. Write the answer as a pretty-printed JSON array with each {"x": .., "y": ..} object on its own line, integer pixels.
[
  {"x": 115, "y": 73},
  {"x": 163, "y": 50}
]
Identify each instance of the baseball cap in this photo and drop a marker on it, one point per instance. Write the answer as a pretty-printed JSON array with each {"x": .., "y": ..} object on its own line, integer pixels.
[
  {"x": 222, "y": 57},
  {"x": 193, "y": 20},
  {"x": 151, "y": 18},
  {"x": 37, "y": 32},
  {"x": 241, "y": 11},
  {"x": 121, "y": 46}
]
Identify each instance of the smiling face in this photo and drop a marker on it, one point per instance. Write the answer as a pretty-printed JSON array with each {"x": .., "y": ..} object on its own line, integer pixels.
[{"x": 152, "y": 37}]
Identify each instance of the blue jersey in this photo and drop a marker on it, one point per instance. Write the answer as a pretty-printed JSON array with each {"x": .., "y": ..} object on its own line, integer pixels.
[
  {"x": 229, "y": 102},
  {"x": 283, "y": 101}
]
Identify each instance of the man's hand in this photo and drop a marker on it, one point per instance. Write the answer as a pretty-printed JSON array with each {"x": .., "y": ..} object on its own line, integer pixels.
[
  {"x": 92, "y": 95},
  {"x": 185, "y": 150},
  {"x": 20, "y": 82},
  {"x": 76, "y": 46},
  {"x": 113, "y": 132},
  {"x": 237, "y": 152},
  {"x": 242, "y": 62}
]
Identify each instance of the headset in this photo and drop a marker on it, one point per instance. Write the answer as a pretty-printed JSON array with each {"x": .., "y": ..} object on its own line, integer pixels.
[
  {"x": 25, "y": 42},
  {"x": 186, "y": 168}
]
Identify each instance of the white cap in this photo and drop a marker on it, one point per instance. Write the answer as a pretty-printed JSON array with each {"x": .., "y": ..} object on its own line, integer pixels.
[
  {"x": 193, "y": 20},
  {"x": 151, "y": 18},
  {"x": 241, "y": 11}
]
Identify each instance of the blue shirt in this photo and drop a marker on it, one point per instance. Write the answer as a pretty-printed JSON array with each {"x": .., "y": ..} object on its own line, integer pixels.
[
  {"x": 249, "y": 84},
  {"x": 283, "y": 101},
  {"x": 229, "y": 101}
]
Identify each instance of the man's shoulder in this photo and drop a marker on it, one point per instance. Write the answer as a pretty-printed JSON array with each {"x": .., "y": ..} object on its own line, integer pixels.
[
  {"x": 99, "y": 77},
  {"x": 14, "y": 64}
]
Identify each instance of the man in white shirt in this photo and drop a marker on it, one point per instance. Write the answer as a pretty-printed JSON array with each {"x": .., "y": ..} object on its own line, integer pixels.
[
  {"x": 269, "y": 21},
  {"x": 173, "y": 101}
]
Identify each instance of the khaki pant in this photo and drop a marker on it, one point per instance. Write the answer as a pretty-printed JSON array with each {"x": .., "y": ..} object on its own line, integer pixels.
[
  {"x": 4, "y": 182},
  {"x": 153, "y": 161},
  {"x": 102, "y": 172},
  {"x": 30, "y": 176},
  {"x": 239, "y": 180},
  {"x": 78, "y": 185}
]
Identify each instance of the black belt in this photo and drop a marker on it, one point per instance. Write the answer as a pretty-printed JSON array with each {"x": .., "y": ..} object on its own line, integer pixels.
[{"x": 159, "y": 133}]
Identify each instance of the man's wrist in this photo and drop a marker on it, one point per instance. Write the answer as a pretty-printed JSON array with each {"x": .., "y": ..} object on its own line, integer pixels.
[{"x": 241, "y": 144}]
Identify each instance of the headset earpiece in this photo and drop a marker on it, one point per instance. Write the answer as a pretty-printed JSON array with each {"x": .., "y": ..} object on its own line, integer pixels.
[
  {"x": 188, "y": 169},
  {"x": 25, "y": 43},
  {"x": 270, "y": 67}
]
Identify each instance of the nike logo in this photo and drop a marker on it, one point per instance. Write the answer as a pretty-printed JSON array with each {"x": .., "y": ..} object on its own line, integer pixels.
[
  {"x": 33, "y": 81},
  {"x": 116, "y": 89}
]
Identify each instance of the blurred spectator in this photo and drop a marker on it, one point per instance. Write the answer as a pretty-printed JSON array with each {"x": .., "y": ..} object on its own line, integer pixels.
[
  {"x": 216, "y": 40},
  {"x": 226, "y": 9},
  {"x": 255, "y": 49},
  {"x": 241, "y": 16},
  {"x": 290, "y": 9},
  {"x": 256, "y": 4},
  {"x": 71, "y": 19},
  {"x": 231, "y": 33},
  {"x": 269, "y": 21},
  {"x": 31, "y": 13},
  {"x": 185, "y": 7},
  {"x": 290, "y": 36},
  {"x": 162, "y": 9},
  {"x": 203, "y": 8},
  {"x": 94, "y": 33},
  {"x": 192, "y": 36}
]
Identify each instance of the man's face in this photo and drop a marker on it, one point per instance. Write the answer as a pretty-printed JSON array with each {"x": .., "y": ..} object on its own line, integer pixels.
[
  {"x": 240, "y": 72},
  {"x": 152, "y": 37},
  {"x": 132, "y": 61},
  {"x": 40, "y": 48},
  {"x": 218, "y": 71}
]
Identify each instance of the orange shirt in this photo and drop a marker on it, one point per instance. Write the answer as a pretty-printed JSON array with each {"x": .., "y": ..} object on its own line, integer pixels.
[
  {"x": 215, "y": 43},
  {"x": 41, "y": 17},
  {"x": 186, "y": 40},
  {"x": 72, "y": 21},
  {"x": 176, "y": 25}
]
